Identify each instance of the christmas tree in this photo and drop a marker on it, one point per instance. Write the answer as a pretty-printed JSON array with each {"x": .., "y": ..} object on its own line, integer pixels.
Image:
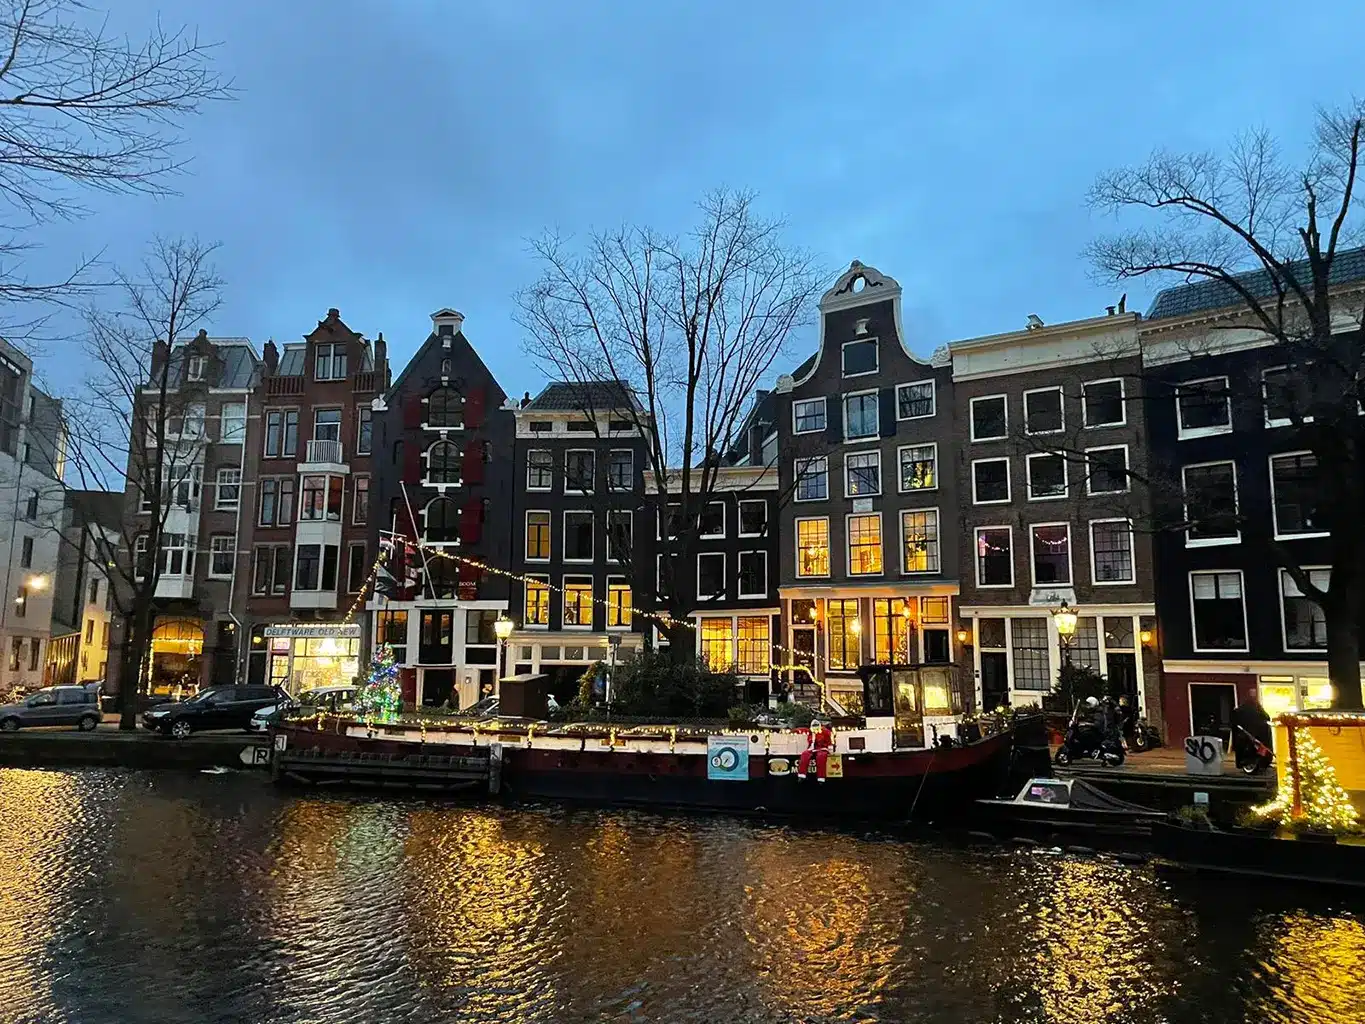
[
  {"x": 1325, "y": 803},
  {"x": 380, "y": 696}
]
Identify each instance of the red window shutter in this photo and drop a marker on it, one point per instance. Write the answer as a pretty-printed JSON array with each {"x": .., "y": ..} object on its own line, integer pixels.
[
  {"x": 472, "y": 470},
  {"x": 471, "y": 522},
  {"x": 473, "y": 408},
  {"x": 412, "y": 411},
  {"x": 412, "y": 465}
]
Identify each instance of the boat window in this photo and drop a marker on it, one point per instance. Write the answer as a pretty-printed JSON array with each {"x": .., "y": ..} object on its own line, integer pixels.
[
  {"x": 908, "y": 730},
  {"x": 877, "y": 694},
  {"x": 1040, "y": 791}
]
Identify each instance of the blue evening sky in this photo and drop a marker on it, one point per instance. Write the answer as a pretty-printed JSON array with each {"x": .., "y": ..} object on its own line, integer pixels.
[{"x": 390, "y": 157}]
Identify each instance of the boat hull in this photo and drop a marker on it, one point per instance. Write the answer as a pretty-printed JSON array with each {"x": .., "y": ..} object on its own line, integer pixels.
[{"x": 1261, "y": 855}]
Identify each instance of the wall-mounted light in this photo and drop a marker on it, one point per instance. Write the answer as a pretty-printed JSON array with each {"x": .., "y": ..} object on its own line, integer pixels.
[
  {"x": 38, "y": 582},
  {"x": 1146, "y": 637},
  {"x": 963, "y": 636}
]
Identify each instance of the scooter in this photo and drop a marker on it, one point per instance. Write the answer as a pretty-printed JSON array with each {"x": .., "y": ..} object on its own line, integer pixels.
[
  {"x": 1140, "y": 736},
  {"x": 1085, "y": 740},
  {"x": 1252, "y": 756}
]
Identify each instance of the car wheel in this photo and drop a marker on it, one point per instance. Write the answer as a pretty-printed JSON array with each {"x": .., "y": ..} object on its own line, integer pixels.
[
  {"x": 181, "y": 728},
  {"x": 10, "y": 725},
  {"x": 87, "y": 723}
]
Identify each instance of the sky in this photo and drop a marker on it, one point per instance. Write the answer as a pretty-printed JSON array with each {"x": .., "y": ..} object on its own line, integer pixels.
[{"x": 391, "y": 157}]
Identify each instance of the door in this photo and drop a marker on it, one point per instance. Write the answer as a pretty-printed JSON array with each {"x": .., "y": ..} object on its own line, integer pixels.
[
  {"x": 438, "y": 685},
  {"x": 222, "y": 712},
  {"x": 435, "y": 644},
  {"x": 1123, "y": 675},
  {"x": 71, "y": 704},
  {"x": 1211, "y": 707},
  {"x": 995, "y": 680},
  {"x": 41, "y": 708}
]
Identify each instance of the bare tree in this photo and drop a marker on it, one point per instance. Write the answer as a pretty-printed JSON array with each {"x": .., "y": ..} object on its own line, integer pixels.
[
  {"x": 1267, "y": 234},
  {"x": 134, "y": 419},
  {"x": 80, "y": 108},
  {"x": 690, "y": 326}
]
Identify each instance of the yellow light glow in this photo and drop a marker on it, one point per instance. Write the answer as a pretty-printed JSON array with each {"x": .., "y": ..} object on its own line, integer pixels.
[{"x": 38, "y": 582}]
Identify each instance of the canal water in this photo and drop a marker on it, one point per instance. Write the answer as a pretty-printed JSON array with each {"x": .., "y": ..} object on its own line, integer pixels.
[{"x": 137, "y": 897}]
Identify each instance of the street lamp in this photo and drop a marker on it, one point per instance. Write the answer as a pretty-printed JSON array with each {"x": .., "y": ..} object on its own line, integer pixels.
[
  {"x": 1064, "y": 618},
  {"x": 503, "y": 628}
]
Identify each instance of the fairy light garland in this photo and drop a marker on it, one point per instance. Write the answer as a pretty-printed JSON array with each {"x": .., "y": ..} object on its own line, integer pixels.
[{"x": 1325, "y": 804}]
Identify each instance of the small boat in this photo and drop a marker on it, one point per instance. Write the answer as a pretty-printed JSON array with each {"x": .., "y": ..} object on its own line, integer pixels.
[
  {"x": 1068, "y": 804},
  {"x": 1256, "y": 853}
]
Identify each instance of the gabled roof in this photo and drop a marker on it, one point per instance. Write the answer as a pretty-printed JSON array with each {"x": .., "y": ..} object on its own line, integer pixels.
[
  {"x": 585, "y": 397},
  {"x": 240, "y": 362},
  {"x": 1188, "y": 299}
]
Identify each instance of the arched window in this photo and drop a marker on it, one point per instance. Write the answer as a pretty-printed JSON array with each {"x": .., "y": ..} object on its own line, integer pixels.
[
  {"x": 442, "y": 576},
  {"x": 442, "y": 521},
  {"x": 445, "y": 408},
  {"x": 443, "y": 463}
]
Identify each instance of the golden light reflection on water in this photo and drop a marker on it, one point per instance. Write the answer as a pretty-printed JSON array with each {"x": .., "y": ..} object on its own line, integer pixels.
[{"x": 1327, "y": 979}]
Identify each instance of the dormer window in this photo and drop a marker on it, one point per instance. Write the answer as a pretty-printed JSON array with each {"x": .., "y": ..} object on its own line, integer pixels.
[
  {"x": 860, "y": 357},
  {"x": 194, "y": 369},
  {"x": 445, "y": 330},
  {"x": 329, "y": 362}
]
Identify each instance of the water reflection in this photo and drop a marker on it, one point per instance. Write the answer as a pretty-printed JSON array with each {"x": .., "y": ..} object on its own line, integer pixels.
[{"x": 138, "y": 897}]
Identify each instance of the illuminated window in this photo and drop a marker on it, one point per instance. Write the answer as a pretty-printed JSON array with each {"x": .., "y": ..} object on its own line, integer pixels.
[
  {"x": 577, "y": 602},
  {"x": 753, "y": 645},
  {"x": 618, "y": 603},
  {"x": 537, "y": 600},
  {"x": 919, "y": 535},
  {"x": 918, "y": 467},
  {"x": 890, "y": 631},
  {"x": 844, "y": 632},
  {"x": 717, "y": 643},
  {"x": 864, "y": 545},
  {"x": 812, "y": 547},
  {"x": 537, "y": 536}
]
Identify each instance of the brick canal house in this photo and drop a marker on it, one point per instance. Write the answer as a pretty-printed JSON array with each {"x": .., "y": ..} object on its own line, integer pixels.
[
  {"x": 445, "y": 440},
  {"x": 869, "y": 536},
  {"x": 1048, "y": 427},
  {"x": 307, "y": 509}
]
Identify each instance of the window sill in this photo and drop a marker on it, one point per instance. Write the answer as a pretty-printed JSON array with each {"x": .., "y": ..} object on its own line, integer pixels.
[
  {"x": 1221, "y": 650},
  {"x": 1048, "y": 497},
  {"x": 1113, "y": 583},
  {"x": 1105, "y": 494},
  {"x": 753, "y": 597},
  {"x": 1301, "y": 536},
  {"x": 986, "y": 440},
  {"x": 995, "y": 586},
  {"x": 1105, "y": 426},
  {"x": 1213, "y": 542},
  {"x": 1194, "y": 433},
  {"x": 916, "y": 490},
  {"x": 993, "y": 501}
]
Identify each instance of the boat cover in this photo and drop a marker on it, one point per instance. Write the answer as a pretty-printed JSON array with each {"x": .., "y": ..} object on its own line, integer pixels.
[{"x": 1088, "y": 797}]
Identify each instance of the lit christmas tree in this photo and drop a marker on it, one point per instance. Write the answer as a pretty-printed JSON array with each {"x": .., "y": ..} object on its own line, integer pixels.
[
  {"x": 380, "y": 695},
  {"x": 1325, "y": 804}
]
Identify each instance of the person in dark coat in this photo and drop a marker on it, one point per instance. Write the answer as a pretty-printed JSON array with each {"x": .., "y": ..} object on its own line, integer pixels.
[{"x": 1252, "y": 718}]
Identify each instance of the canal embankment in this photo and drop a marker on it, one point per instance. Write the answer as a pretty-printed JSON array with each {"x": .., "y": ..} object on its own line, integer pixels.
[{"x": 109, "y": 747}]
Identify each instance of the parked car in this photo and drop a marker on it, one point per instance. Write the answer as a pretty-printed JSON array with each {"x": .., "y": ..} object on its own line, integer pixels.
[
  {"x": 330, "y": 699},
  {"x": 53, "y": 705},
  {"x": 217, "y": 707}
]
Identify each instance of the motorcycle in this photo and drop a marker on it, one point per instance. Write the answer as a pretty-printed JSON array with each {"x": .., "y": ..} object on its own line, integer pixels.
[
  {"x": 1253, "y": 757},
  {"x": 1087, "y": 741},
  {"x": 1140, "y": 736}
]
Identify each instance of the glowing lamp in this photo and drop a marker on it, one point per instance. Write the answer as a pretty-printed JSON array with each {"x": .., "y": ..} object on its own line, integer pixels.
[
  {"x": 503, "y": 628},
  {"x": 38, "y": 582},
  {"x": 963, "y": 636},
  {"x": 1146, "y": 637},
  {"x": 1064, "y": 618},
  {"x": 856, "y": 625}
]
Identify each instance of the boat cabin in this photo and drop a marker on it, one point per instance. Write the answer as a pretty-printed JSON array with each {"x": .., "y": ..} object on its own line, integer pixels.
[{"x": 919, "y": 705}]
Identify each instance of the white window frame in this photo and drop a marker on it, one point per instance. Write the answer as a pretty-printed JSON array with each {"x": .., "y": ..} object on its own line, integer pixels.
[
  {"x": 739, "y": 574},
  {"x": 1132, "y": 554},
  {"x": 1213, "y": 542},
  {"x": 900, "y": 453},
  {"x": 1123, "y": 404},
  {"x": 739, "y": 512},
  {"x": 1274, "y": 515},
  {"x": 538, "y": 577},
  {"x": 619, "y": 580},
  {"x": 876, "y": 347},
  {"x": 971, "y": 417},
  {"x": 214, "y": 550},
  {"x": 938, "y": 529},
  {"x": 1028, "y": 475},
  {"x": 1265, "y": 402},
  {"x": 1070, "y": 580},
  {"x": 579, "y": 451},
  {"x": 824, "y": 405},
  {"x": 237, "y": 423},
  {"x": 723, "y": 588},
  {"x": 797, "y": 474},
  {"x": 195, "y": 413},
  {"x": 1284, "y": 622},
  {"x": 195, "y": 366},
  {"x": 1194, "y": 628},
  {"x": 933, "y": 399},
  {"x": 848, "y": 547},
  {"x": 1009, "y": 485},
  {"x": 526, "y": 534},
  {"x": 340, "y": 423},
  {"x": 829, "y": 553},
  {"x": 1061, "y": 407},
  {"x": 564, "y": 533},
  {"x": 976, "y": 556},
  {"x": 538, "y": 451},
  {"x": 1089, "y": 476},
  {"x": 630, "y": 485},
  {"x": 877, "y": 453},
  {"x": 843, "y": 412},
  {"x": 219, "y": 483},
  {"x": 564, "y": 601},
  {"x": 723, "y": 524},
  {"x": 1182, "y": 432}
]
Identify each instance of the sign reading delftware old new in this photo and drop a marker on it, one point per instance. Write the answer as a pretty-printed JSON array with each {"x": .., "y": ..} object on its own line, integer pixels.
[
  {"x": 727, "y": 758},
  {"x": 315, "y": 630}
]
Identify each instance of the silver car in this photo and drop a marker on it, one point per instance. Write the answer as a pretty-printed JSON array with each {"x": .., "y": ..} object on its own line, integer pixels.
[{"x": 53, "y": 705}]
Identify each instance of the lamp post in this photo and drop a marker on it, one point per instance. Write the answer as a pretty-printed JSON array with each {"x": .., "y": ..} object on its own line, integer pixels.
[
  {"x": 1064, "y": 618},
  {"x": 503, "y": 628}
]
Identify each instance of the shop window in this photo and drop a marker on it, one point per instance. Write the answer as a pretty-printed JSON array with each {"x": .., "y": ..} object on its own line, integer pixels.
[
  {"x": 845, "y": 631},
  {"x": 1029, "y": 643},
  {"x": 717, "y": 643},
  {"x": 754, "y": 645},
  {"x": 891, "y": 630}
]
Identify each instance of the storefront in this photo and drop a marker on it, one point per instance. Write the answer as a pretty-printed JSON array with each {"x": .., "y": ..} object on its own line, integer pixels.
[
  {"x": 306, "y": 655},
  {"x": 177, "y": 657}
]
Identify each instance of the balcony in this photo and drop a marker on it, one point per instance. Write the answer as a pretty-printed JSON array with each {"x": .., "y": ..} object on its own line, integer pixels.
[
  {"x": 177, "y": 587},
  {"x": 327, "y": 453},
  {"x": 283, "y": 386},
  {"x": 363, "y": 382}
]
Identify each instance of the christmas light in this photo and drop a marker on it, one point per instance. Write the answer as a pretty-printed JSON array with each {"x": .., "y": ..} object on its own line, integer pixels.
[
  {"x": 380, "y": 697},
  {"x": 1324, "y": 803}
]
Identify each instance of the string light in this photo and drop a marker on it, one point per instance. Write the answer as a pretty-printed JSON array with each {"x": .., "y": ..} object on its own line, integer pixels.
[{"x": 1323, "y": 801}]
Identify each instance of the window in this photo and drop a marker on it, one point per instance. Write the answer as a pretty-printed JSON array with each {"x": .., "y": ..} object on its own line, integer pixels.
[
  {"x": 443, "y": 463},
  {"x": 915, "y": 401},
  {"x": 618, "y": 603},
  {"x": 141, "y": 560},
  {"x": 1287, "y": 396},
  {"x": 194, "y": 369},
  {"x": 360, "y": 509},
  {"x": 862, "y": 474},
  {"x": 1111, "y": 551},
  {"x": 232, "y": 423},
  {"x": 620, "y": 531},
  {"x": 392, "y": 628},
  {"x": 754, "y": 645},
  {"x": 864, "y": 545},
  {"x": 537, "y": 536},
  {"x": 441, "y": 524},
  {"x": 1043, "y": 411},
  {"x": 270, "y": 571},
  {"x": 990, "y": 421},
  {"x": 539, "y": 470},
  {"x": 812, "y": 547},
  {"x": 20, "y": 611},
  {"x": 445, "y": 409},
  {"x": 808, "y": 416},
  {"x": 26, "y": 555},
  {"x": 578, "y": 546},
  {"x": 1203, "y": 408},
  {"x": 579, "y": 426},
  {"x": 90, "y": 631},
  {"x": 176, "y": 557},
  {"x": 1103, "y": 402},
  {"x": 329, "y": 362},
  {"x": 1210, "y": 492},
  {"x": 313, "y": 499},
  {"x": 620, "y": 426},
  {"x": 717, "y": 643},
  {"x": 277, "y": 501},
  {"x": 1217, "y": 610},
  {"x": 1305, "y": 624},
  {"x": 1108, "y": 470},
  {"x": 185, "y": 485},
  {"x": 621, "y": 470},
  {"x": 193, "y": 424},
  {"x": 670, "y": 521},
  {"x": 1051, "y": 554},
  {"x": 308, "y": 567},
  {"x": 990, "y": 481},
  {"x": 812, "y": 479},
  {"x": 712, "y": 521},
  {"x": 753, "y": 574},
  {"x": 580, "y": 471},
  {"x": 890, "y": 631},
  {"x": 281, "y": 433},
  {"x": 1295, "y": 493},
  {"x": 35, "y": 645},
  {"x": 537, "y": 600},
  {"x": 919, "y": 467},
  {"x": 31, "y": 507},
  {"x": 860, "y": 357},
  {"x": 1046, "y": 477},
  {"x": 364, "y": 430},
  {"x": 919, "y": 541},
  {"x": 861, "y": 416},
  {"x": 222, "y": 555},
  {"x": 710, "y": 576},
  {"x": 938, "y": 648},
  {"x": 753, "y": 518},
  {"x": 994, "y": 557},
  {"x": 845, "y": 653},
  {"x": 578, "y": 602},
  {"x": 94, "y": 591},
  {"x": 1029, "y": 642},
  {"x": 541, "y": 427},
  {"x": 227, "y": 492},
  {"x": 327, "y": 425},
  {"x": 356, "y": 568}
]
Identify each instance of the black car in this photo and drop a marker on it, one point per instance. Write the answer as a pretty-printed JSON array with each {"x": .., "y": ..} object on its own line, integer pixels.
[{"x": 217, "y": 707}]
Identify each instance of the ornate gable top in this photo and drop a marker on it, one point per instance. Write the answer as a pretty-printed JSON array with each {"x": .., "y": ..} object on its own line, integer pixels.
[{"x": 860, "y": 284}]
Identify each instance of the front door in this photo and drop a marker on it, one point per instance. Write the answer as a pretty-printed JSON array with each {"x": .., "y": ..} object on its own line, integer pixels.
[
  {"x": 435, "y": 645},
  {"x": 1123, "y": 675},
  {"x": 1211, "y": 707},
  {"x": 438, "y": 686},
  {"x": 995, "y": 680}
]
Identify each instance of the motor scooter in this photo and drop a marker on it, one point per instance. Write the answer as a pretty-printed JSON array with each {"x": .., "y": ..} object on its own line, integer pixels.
[{"x": 1088, "y": 741}]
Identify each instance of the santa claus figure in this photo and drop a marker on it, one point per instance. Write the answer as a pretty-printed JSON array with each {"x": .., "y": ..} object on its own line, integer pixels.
[{"x": 819, "y": 743}]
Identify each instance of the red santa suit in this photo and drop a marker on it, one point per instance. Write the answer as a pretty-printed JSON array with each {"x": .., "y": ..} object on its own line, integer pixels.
[{"x": 819, "y": 743}]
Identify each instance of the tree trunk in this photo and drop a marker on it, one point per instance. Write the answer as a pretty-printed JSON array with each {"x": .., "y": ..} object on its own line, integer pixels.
[
  {"x": 1343, "y": 646},
  {"x": 135, "y": 644}
]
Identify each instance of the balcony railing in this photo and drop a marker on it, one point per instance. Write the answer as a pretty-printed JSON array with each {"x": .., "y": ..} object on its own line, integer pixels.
[
  {"x": 363, "y": 381},
  {"x": 324, "y": 451},
  {"x": 284, "y": 385}
]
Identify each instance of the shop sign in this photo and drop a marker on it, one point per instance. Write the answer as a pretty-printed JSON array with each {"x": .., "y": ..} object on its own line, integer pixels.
[
  {"x": 315, "y": 630},
  {"x": 834, "y": 767},
  {"x": 467, "y": 590},
  {"x": 727, "y": 758}
]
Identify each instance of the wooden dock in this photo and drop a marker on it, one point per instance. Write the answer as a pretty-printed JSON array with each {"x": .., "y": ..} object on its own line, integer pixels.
[{"x": 447, "y": 773}]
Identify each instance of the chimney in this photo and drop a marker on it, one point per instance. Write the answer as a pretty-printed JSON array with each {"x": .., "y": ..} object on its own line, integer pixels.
[
  {"x": 525, "y": 399},
  {"x": 270, "y": 355},
  {"x": 202, "y": 337},
  {"x": 381, "y": 357},
  {"x": 1109, "y": 310},
  {"x": 159, "y": 352},
  {"x": 334, "y": 314}
]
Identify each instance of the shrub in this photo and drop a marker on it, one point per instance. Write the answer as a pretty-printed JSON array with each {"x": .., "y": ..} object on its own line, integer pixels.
[{"x": 659, "y": 684}]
